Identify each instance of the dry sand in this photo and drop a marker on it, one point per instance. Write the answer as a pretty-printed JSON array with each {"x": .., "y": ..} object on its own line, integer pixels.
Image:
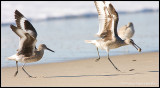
[{"x": 140, "y": 69}]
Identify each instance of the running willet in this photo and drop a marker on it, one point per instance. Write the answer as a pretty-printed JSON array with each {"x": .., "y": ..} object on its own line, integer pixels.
[
  {"x": 108, "y": 21},
  {"x": 27, "y": 51}
]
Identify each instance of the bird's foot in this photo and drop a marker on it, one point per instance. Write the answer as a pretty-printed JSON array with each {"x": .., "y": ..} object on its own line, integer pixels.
[
  {"x": 15, "y": 73},
  {"x": 32, "y": 77},
  {"x": 97, "y": 60},
  {"x": 118, "y": 69}
]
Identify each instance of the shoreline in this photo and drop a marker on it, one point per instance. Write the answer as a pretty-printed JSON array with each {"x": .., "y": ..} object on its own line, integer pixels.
[
  {"x": 84, "y": 58},
  {"x": 141, "y": 69}
]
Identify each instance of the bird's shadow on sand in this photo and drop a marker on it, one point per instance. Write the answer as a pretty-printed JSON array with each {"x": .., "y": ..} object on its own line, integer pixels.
[
  {"x": 90, "y": 75},
  {"x": 153, "y": 71}
]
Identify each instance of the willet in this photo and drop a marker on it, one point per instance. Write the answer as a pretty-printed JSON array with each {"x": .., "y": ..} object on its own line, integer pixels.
[
  {"x": 27, "y": 51},
  {"x": 108, "y": 21}
]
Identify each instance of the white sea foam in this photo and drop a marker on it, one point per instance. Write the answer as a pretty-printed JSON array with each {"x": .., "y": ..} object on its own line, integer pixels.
[{"x": 39, "y": 10}]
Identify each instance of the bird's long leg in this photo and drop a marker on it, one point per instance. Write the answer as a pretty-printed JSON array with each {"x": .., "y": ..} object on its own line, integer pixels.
[
  {"x": 98, "y": 56},
  {"x": 17, "y": 69},
  {"x": 112, "y": 62},
  {"x": 26, "y": 72}
]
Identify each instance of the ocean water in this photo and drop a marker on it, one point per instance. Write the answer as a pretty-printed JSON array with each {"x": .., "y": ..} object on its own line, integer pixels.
[
  {"x": 40, "y": 10},
  {"x": 66, "y": 37}
]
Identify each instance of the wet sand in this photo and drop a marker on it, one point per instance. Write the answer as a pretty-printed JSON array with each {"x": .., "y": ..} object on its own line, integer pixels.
[{"x": 141, "y": 69}]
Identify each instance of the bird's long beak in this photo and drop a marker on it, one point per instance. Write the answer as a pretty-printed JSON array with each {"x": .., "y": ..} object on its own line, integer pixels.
[
  {"x": 136, "y": 46},
  {"x": 49, "y": 49}
]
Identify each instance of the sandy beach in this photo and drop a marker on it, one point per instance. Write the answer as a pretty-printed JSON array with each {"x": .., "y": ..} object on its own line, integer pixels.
[{"x": 141, "y": 69}]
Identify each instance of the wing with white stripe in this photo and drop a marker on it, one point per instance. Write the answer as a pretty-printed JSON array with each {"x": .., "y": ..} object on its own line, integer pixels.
[
  {"x": 26, "y": 43},
  {"x": 23, "y": 23}
]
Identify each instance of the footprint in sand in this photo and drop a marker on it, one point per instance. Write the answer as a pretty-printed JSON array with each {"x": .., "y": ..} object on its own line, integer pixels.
[{"x": 131, "y": 69}]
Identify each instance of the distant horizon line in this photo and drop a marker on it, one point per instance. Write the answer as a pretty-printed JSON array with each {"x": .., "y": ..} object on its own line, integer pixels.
[{"x": 85, "y": 15}]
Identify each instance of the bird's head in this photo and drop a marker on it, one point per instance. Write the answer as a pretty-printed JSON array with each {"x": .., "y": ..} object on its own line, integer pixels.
[{"x": 43, "y": 46}]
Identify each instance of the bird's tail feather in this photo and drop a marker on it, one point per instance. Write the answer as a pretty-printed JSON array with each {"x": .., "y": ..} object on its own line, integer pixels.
[
  {"x": 13, "y": 57},
  {"x": 90, "y": 41}
]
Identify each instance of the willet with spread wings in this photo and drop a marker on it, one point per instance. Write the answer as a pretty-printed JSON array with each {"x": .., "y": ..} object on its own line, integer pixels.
[
  {"x": 27, "y": 51},
  {"x": 108, "y": 21}
]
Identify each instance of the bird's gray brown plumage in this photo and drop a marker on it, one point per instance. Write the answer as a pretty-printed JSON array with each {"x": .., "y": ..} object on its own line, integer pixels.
[
  {"x": 108, "y": 21},
  {"x": 126, "y": 31},
  {"x": 26, "y": 42},
  {"x": 27, "y": 53}
]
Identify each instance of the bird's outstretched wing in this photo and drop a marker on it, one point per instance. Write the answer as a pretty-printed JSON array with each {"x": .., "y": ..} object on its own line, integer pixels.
[
  {"x": 108, "y": 20},
  {"x": 26, "y": 43},
  {"x": 126, "y": 31},
  {"x": 23, "y": 23},
  {"x": 121, "y": 32}
]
